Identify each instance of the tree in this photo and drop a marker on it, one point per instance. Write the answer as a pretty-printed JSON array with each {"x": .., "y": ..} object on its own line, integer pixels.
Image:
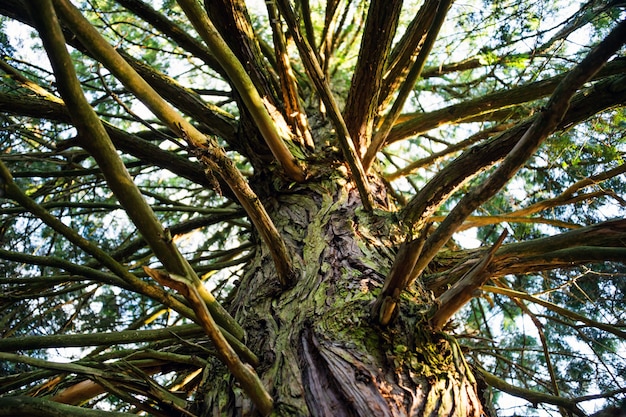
[{"x": 241, "y": 211}]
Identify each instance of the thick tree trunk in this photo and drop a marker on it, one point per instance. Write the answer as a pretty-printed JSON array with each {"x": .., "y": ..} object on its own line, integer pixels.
[{"x": 320, "y": 353}]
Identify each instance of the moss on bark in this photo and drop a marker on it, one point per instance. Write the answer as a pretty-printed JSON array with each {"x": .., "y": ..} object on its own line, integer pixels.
[{"x": 320, "y": 352}]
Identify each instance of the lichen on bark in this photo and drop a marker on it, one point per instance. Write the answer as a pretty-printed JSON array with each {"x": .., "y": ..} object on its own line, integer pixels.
[{"x": 320, "y": 352}]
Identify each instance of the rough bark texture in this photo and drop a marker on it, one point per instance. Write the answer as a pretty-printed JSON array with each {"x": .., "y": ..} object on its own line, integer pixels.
[{"x": 320, "y": 352}]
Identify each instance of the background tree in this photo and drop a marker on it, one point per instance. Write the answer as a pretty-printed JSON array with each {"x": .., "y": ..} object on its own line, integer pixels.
[{"x": 312, "y": 208}]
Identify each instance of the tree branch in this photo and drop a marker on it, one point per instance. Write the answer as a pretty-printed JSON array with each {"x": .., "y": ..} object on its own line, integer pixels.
[
  {"x": 245, "y": 87},
  {"x": 416, "y": 123},
  {"x": 98, "y": 339},
  {"x": 439, "y": 156},
  {"x": 316, "y": 74},
  {"x": 542, "y": 337},
  {"x": 231, "y": 19},
  {"x": 544, "y": 125},
  {"x": 406, "y": 50},
  {"x": 127, "y": 142},
  {"x": 219, "y": 162},
  {"x": 406, "y": 88},
  {"x": 591, "y": 244},
  {"x": 245, "y": 374},
  {"x": 408, "y": 253},
  {"x": 555, "y": 308},
  {"x": 11, "y": 190},
  {"x": 362, "y": 102},
  {"x": 174, "y": 32},
  {"x": 531, "y": 396},
  {"x": 39, "y": 407},
  {"x": 97, "y": 142},
  {"x": 294, "y": 113},
  {"x": 83, "y": 271},
  {"x": 603, "y": 95},
  {"x": 464, "y": 289}
]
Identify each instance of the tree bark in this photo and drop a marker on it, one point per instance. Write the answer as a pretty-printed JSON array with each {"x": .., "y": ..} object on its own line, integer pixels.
[{"x": 320, "y": 353}]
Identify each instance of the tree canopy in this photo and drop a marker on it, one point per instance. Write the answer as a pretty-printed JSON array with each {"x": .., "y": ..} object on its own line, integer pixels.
[{"x": 154, "y": 154}]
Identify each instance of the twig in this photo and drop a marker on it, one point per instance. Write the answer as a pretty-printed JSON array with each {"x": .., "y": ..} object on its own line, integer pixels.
[{"x": 559, "y": 310}]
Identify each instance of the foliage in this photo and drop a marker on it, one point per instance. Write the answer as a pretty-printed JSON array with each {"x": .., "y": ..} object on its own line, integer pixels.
[{"x": 244, "y": 113}]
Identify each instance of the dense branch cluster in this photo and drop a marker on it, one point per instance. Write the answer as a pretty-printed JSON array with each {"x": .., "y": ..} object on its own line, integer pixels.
[{"x": 151, "y": 152}]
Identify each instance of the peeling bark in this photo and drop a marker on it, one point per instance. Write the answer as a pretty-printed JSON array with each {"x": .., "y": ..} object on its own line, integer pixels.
[{"x": 320, "y": 353}]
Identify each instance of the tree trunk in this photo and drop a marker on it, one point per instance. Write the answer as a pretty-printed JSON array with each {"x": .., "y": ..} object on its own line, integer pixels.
[{"x": 320, "y": 353}]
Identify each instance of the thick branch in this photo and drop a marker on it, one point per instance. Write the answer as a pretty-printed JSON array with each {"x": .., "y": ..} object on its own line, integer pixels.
[
  {"x": 232, "y": 21},
  {"x": 407, "y": 49},
  {"x": 422, "y": 122},
  {"x": 464, "y": 289},
  {"x": 316, "y": 74},
  {"x": 222, "y": 164},
  {"x": 407, "y": 87},
  {"x": 544, "y": 125},
  {"x": 362, "y": 101},
  {"x": 294, "y": 113},
  {"x": 245, "y": 87},
  {"x": 600, "y": 242},
  {"x": 396, "y": 281},
  {"x": 39, "y": 407},
  {"x": 245, "y": 374},
  {"x": 532, "y": 396}
]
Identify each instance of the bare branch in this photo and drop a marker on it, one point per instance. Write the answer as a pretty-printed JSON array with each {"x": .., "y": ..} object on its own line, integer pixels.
[
  {"x": 542, "y": 336},
  {"x": 362, "y": 102},
  {"x": 464, "y": 289},
  {"x": 323, "y": 89},
  {"x": 196, "y": 294},
  {"x": 245, "y": 87},
  {"x": 438, "y": 156}
]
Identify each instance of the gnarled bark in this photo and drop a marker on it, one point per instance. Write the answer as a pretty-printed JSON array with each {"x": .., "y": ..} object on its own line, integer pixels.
[{"x": 320, "y": 353}]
